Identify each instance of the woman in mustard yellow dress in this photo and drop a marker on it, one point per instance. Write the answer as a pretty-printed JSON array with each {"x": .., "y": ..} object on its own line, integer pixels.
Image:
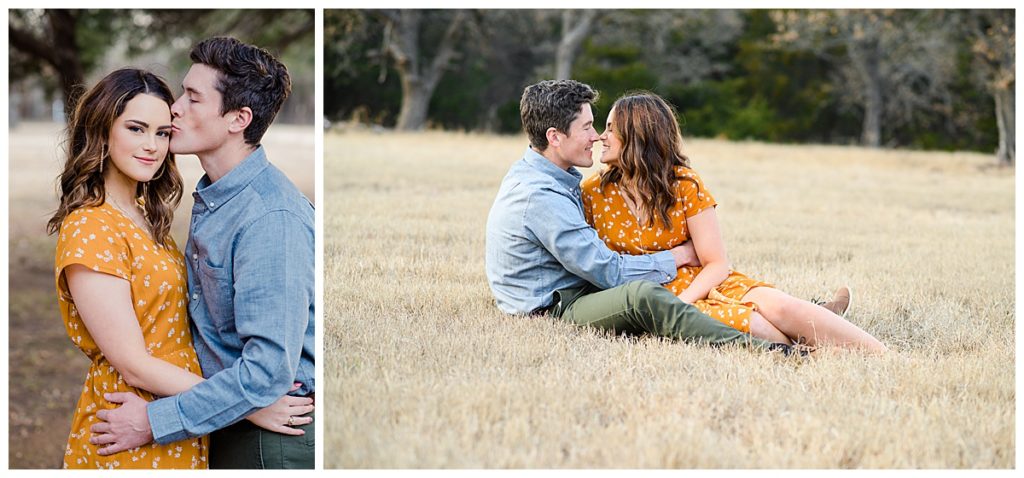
[
  {"x": 648, "y": 199},
  {"x": 120, "y": 276}
]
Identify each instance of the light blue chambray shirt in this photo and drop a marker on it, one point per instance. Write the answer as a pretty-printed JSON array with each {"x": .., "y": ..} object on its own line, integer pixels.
[
  {"x": 538, "y": 241},
  {"x": 251, "y": 299}
]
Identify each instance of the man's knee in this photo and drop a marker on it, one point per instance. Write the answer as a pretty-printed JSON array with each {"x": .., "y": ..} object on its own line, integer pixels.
[
  {"x": 641, "y": 287},
  {"x": 644, "y": 297}
]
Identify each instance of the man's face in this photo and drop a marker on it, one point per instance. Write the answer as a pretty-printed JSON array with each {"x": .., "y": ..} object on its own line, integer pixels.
[
  {"x": 198, "y": 126},
  {"x": 575, "y": 148}
]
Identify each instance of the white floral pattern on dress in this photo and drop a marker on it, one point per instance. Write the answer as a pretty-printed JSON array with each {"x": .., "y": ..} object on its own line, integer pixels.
[
  {"x": 98, "y": 238},
  {"x": 608, "y": 213}
]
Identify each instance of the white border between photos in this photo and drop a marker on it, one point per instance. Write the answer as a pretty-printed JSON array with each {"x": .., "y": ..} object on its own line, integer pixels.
[
  {"x": 5, "y": 207},
  {"x": 318, "y": 149}
]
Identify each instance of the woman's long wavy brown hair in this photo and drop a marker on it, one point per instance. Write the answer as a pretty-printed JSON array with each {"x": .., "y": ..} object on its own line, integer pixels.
[
  {"x": 646, "y": 126},
  {"x": 81, "y": 182}
]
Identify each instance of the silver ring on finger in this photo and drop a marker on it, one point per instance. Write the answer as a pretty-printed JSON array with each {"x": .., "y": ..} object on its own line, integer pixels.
[{"x": 291, "y": 421}]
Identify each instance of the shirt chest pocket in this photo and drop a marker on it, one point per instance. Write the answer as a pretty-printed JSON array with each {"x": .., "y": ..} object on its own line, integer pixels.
[{"x": 218, "y": 294}]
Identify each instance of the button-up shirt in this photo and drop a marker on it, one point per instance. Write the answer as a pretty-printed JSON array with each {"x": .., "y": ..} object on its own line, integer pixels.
[
  {"x": 538, "y": 241},
  {"x": 250, "y": 256}
]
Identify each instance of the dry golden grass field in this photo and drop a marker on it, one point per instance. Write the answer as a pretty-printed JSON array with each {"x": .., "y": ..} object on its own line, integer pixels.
[
  {"x": 422, "y": 370},
  {"x": 46, "y": 370}
]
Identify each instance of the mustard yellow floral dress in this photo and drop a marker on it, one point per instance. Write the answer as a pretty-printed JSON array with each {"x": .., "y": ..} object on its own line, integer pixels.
[
  {"x": 618, "y": 227},
  {"x": 105, "y": 240}
]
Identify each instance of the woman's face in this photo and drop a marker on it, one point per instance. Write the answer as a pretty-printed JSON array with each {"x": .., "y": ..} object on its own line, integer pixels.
[
  {"x": 139, "y": 138},
  {"x": 611, "y": 146}
]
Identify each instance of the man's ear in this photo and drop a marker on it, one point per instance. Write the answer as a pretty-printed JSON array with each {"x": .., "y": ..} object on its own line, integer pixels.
[
  {"x": 243, "y": 116},
  {"x": 553, "y": 137}
]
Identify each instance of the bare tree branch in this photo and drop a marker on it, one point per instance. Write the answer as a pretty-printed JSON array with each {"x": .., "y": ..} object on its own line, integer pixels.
[
  {"x": 573, "y": 34},
  {"x": 31, "y": 45}
]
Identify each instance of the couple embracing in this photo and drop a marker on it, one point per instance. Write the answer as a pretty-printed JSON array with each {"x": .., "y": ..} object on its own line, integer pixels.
[
  {"x": 202, "y": 359},
  {"x": 636, "y": 248}
]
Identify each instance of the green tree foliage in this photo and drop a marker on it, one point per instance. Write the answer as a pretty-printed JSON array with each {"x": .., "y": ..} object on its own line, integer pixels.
[
  {"x": 612, "y": 70},
  {"x": 724, "y": 70},
  {"x": 359, "y": 82},
  {"x": 59, "y": 48}
]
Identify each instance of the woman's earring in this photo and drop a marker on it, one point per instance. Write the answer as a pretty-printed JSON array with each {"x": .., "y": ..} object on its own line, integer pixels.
[{"x": 103, "y": 155}]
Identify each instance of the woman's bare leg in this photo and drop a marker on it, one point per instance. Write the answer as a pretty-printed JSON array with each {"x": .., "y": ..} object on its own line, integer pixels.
[
  {"x": 803, "y": 321},
  {"x": 762, "y": 329}
]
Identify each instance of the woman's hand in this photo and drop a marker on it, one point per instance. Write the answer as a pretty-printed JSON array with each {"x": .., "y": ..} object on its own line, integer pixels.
[{"x": 285, "y": 413}]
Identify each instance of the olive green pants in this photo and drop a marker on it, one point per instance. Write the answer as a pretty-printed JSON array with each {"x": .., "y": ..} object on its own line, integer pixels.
[
  {"x": 247, "y": 446},
  {"x": 645, "y": 307}
]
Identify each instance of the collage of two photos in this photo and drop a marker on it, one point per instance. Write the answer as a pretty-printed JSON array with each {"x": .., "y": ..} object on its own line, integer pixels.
[{"x": 548, "y": 239}]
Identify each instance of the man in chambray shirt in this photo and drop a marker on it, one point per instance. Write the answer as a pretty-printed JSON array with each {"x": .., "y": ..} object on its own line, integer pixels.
[
  {"x": 250, "y": 257},
  {"x": 543, "y": 258}
]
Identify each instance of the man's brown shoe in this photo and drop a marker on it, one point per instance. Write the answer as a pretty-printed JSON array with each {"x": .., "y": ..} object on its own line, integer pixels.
[{"x": 840, "y": 302}]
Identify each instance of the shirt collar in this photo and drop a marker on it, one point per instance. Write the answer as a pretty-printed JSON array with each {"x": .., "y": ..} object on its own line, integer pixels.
[
  {"x": 216, "y": 194},
  {"x": 570, "y": 179}
]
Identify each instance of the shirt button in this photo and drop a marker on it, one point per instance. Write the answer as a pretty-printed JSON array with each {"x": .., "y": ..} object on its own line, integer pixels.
[
  {"x": 213, "y": 205},
  {"x": 195, "y": 296},
  {"x": 195, "y": 256}
]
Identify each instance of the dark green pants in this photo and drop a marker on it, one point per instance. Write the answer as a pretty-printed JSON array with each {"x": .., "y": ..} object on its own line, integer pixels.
[
  {"x": 247, "y": 446},
  {"x": 645, "y": 307}
]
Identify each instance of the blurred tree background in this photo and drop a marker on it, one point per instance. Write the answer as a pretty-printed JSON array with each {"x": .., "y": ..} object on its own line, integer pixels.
[
  {"x": 56, "y": 54},
  {"x": 923, "y": 79}
]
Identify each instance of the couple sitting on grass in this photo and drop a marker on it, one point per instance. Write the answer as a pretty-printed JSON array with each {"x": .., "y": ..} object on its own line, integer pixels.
[{"x": 637, "y": 247}]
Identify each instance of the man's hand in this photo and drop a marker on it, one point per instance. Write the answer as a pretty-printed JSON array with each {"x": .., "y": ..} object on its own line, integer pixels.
[
  {"x": 685, "y": 255},
  {"x": 124, "y": 427}
]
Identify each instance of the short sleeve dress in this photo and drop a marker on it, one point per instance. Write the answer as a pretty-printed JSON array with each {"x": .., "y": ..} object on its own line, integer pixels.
[
  {"x": 105, "y": 240},
  {"x": 618, "y": 227}
]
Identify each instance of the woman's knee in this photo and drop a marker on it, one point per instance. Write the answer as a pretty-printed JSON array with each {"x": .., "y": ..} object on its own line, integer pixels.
[
  {"x": 789, "y": 306},
  {"x": 775, "y": 304}
]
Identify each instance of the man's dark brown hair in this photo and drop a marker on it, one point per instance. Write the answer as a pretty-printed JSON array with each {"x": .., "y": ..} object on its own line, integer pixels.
[
  {"x": 247, "y": 76},
  {"x": 552, "y": 103}
]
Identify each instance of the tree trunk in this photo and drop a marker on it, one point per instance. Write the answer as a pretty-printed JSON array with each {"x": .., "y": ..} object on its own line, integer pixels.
[
  {"x": 59, "y": 50},
  {"x": 415, "y": 102},
  {"x": 489, "y": 122},
  {"x": 572, "y": 38},
  {"x": 1004, "y": 119},
  {"x": 418, "y": 81},
  {"x": 66, "y": 54},
  {"x": 993, "y": 47},
  {"x": 871, "y": 133},
  {"x": 865, "y": 58}
]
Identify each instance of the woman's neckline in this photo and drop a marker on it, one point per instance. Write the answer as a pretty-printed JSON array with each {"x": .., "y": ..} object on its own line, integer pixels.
[
  {"x": 125, "y": 215},
  {"x": 631, "y": 205}
]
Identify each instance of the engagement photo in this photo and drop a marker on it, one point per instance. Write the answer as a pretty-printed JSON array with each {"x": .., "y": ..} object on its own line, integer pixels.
[
  {"x": 669, "y": 239},
  {"x": 162, "y": 239}
]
